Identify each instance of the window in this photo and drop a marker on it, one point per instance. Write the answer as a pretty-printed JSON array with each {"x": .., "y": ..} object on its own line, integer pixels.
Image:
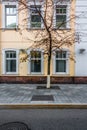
[
  {"x": 35, "y": 17},
  {"x": 61, "y": 16},
  {"x": 10, "y": 62},
  {"x": 35, "y": 62},
  {"x": 10, "y": 16},
  {"x": 61, "y": 62}
]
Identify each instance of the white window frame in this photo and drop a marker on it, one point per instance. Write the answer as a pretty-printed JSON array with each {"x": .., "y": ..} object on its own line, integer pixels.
[
  {"x": 67, "y": 62},
  {"x": 29, "y": 63},
  {"x": 4, "y": 61},
  {"x": 29, "y": 21},
  {"x": 4, "y": 4},
  {"x": 67, "y": 4}
]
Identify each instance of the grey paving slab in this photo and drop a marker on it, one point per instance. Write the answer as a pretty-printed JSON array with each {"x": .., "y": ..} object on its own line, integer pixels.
[{"x": 22, "y": 93}]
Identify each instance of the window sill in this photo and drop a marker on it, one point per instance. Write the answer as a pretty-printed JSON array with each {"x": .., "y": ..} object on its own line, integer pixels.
[
  {"x": 61, "y": 28},
  {"x": 6, "y": 74},
  {"x": 10, "y": 29},
  {"x": 44, "y": 29},
  {"x": 35, "y": 28},
  {"x": 61, "y": 74},
  {"x": 35, "y": 74}
]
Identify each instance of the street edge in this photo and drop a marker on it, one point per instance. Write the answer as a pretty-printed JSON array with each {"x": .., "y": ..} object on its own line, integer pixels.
[{"x": 43, "y": 106}]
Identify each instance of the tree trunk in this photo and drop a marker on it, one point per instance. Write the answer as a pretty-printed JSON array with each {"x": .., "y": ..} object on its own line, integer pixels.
[
  {"x": 48, "y": 81},
  {"x": 49, "y": 60},
  {"x": 48, "y": 74}
]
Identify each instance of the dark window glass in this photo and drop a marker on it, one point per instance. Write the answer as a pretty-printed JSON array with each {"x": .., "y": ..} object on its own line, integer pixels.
[
  {"x": 35, "y": 65},
  {"x": 60, "y": 66},
  {"x": 10, "y": 65},
  {"x": 61, "y": 20}
]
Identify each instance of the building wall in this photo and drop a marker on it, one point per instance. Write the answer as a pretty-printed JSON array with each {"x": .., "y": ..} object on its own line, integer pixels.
[
  {"x": 81, "y": 28},
  {"x": 11, "y": 39},
  {"x": 0, "y": 38}
]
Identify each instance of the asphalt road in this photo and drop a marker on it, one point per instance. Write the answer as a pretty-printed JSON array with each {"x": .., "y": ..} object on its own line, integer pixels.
[{"x": 47, "y": 119}]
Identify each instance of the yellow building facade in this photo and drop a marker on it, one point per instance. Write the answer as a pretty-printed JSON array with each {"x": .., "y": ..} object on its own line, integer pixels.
[{"x": 14, "y": 37}]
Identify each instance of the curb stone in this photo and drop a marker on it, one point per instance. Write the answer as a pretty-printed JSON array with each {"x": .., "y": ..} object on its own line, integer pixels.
[{"x": 43, "y": 106}]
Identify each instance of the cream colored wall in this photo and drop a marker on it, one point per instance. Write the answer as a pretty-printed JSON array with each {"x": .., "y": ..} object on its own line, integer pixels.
[
  {"x": 0, "y": 40},
  {"x": 73, "y": 18},
  {"x": 14, "y": 39}
]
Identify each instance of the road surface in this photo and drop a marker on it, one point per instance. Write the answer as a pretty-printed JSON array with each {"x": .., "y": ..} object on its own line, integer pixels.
[{"x": 47, "y": 119}]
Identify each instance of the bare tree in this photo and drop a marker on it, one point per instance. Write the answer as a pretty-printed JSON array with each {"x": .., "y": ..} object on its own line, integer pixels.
[{"x": 55, "y": 32}]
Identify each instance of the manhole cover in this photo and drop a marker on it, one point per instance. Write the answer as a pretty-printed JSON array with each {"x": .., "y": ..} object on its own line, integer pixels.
[
  {"x": 14, "y": 126},
  {"x": 51, "y": 87},
  {"x": 42, "y": 98}
]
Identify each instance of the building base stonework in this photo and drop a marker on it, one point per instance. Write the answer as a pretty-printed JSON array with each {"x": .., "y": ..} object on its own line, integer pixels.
[
  {"x": 23, "y": 79},
  {"x": 42, "y": 80}
]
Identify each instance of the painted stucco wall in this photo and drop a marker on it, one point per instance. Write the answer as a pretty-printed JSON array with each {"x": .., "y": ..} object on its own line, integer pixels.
[
  {"x": 12, "y": 39},
  {"x": 81, "y": 28},
  {"x": 0, "y": 39}
]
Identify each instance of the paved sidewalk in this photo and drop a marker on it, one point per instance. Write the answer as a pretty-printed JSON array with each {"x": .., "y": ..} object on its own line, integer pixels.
[{"x": 21, "y": 94}]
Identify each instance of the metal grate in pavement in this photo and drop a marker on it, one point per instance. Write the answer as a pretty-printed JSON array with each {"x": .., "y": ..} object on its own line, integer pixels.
[
  {"x": 14, "y": 126},
  {"x": 51, "y": 87},
  {"x": 42, "y": 98}
]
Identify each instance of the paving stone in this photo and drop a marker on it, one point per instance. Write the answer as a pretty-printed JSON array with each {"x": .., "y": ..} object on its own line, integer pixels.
[{"x": 22, "y": 93}]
